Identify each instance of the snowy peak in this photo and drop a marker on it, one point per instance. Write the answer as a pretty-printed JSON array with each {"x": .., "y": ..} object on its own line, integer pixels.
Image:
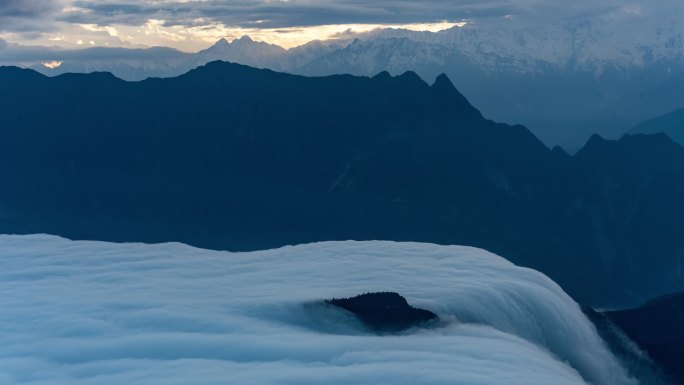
[
  {"x": 245, "y": 39},
  {"x": 244, "y": 43},
  {"x": 584, "y": 44},
  {"x": 371, "y": 56},
  {"x": 245, "y": 51},
  {"x": 221, "y": 43}
]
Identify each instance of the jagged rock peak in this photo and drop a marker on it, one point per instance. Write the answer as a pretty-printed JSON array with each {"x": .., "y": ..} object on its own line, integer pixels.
[
  {"x": 596, "y": 138},
  {"x": 412, "y": 77},
  {"x": 244, "y": 39},
  {"x": 382, "y": 75},
  {"x": 443, "y": 81},
  {"x": 221, "y": 43},
  {"x": 560, "y": 151}
]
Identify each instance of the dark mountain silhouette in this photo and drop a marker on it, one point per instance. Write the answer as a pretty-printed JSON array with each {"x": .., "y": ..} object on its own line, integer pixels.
[
  {"x": 231, "y": 157},
  {"x": 564, "y": 81},
  {"x": 639, "y": 365},
  {"x": 671, "y": 124},
  {"x": 658, "y": 328},
  {"x": 384, "y": 312}
]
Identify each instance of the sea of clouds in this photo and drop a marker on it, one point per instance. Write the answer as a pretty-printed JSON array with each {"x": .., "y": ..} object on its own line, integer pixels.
[{"x": 103, "y": 313}]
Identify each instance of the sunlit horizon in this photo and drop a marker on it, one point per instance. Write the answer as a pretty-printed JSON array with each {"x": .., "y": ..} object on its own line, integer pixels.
[{"x": 155, "y": 33}]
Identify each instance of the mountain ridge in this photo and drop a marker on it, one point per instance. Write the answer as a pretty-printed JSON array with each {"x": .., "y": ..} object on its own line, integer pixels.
[
  {"x": 263, "y": 159},
  {"x": 672, "y": 124},
  {"x": 564, "y": 81}
]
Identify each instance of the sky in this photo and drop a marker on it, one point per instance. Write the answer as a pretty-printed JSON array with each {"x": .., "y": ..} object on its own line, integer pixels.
[
  {"x": 191, "y": 25},
  {"x": 96, "y": 313}
]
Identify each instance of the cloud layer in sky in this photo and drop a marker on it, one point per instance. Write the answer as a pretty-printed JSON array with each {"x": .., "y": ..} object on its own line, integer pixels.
[
  {"x": 101, "y": 313},
  {"x": 190, "y": 24}
]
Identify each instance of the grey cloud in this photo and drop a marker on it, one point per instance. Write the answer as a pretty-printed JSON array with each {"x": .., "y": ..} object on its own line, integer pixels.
[
  {"x": 28, "y": 16},
  {"x": 26, "y": 8},
  {"x": 280, "y": 14},
  {"x": 268, "y": 14}
]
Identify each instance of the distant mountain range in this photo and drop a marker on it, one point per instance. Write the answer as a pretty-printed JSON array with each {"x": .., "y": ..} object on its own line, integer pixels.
[
  {"x": 672, "y": 124},
  {"x": 232, "y": 157},
  {"x": 139, "y": 64},
  {"x": 565, "y": 81}
]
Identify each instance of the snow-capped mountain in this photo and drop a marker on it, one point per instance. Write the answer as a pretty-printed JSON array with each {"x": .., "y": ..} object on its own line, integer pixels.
[
  {"x": 371, "y": 56},
  {"x": 264, "y": 55},
  {"x": 245, "y": 50},
  {"x": 586, "y": 45}
]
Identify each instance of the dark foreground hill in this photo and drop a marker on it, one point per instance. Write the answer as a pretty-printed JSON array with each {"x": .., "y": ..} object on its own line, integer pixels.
[
  {"x": 232, "y": 157},
  {"x": 658, "y": 328}
]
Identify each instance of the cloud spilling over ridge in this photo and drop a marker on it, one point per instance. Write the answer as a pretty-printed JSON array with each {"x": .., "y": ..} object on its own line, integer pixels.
[{"x": 101, "y": 313}]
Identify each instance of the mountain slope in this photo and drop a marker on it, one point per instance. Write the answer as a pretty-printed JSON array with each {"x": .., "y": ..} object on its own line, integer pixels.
[
  {"x": 671, "y": 124},
  {"x": 232, "y": 157},
  {"x": 658, "y": 328}
]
